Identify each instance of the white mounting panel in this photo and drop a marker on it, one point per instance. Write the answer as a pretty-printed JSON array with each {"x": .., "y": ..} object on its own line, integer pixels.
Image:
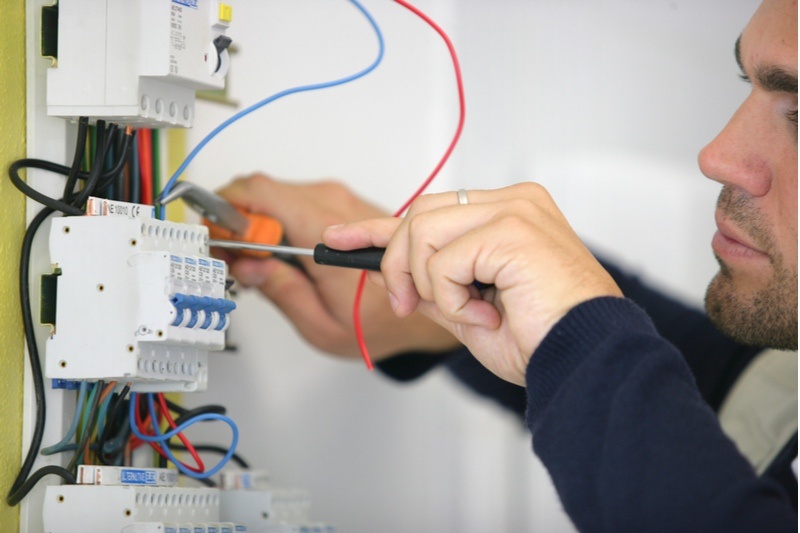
[
  {"x": 136, "y": 62},
  {"x": 116, "y": 314}
]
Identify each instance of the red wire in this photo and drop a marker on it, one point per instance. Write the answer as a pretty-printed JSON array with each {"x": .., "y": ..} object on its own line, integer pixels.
[
  {"x": 189, "y": 447},
  {"x": 462, "y": 111},
  {"x": 145, "y": 140},
  {"x": 144, "y": 428}
]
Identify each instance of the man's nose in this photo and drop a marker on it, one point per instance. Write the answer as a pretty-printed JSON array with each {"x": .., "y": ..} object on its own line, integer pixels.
[{"x": 737, "y": 156}]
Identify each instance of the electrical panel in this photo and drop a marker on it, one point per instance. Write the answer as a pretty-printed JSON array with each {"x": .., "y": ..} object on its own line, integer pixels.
[
  {"x": 133, "y": 299},
  {"x": 134, "y": 62}
]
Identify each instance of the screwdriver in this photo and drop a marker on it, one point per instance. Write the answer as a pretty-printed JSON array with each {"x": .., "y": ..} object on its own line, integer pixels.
[{"x": 362, "y": 259}]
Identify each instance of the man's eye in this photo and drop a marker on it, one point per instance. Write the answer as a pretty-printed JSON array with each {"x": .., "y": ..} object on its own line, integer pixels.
[{"x": 792, "y": 116}]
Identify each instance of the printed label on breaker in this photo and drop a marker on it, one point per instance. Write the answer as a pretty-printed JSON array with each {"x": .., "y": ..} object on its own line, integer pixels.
[
  {"x": 130, "y": 476},
  {"x": 175, "y": 266},
  {"x": 190, "y": 269},
  {"x": 217, "y": 272},
  {"x": 101, "y": 207},
  {"x": 204, "y": 270}
]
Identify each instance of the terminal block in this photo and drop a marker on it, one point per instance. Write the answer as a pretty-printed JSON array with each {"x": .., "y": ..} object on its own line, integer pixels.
[{"x": 136, "y": 300}]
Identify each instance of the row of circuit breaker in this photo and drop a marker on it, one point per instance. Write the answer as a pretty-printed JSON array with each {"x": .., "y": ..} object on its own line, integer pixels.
[{"x": 148, "y": 500}]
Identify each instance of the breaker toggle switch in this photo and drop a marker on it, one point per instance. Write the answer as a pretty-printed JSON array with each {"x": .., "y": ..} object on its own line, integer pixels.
[{"x": 201, "y": 312}]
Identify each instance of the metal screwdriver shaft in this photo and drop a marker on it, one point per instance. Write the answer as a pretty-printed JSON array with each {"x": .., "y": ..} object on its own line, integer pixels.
[{"x": 361, "y": 259}]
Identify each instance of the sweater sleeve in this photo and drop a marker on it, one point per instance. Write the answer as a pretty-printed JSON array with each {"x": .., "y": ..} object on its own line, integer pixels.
[
  {"x": 630, "y": 443},
  {"x": 715, "y": 360}
]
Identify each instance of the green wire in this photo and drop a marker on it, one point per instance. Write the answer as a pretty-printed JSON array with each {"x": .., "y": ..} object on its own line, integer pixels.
[
  {"x": 85, "y": 416},
  {"x": 156, "y": 167}
]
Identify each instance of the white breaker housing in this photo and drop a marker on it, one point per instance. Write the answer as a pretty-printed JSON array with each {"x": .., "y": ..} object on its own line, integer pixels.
[
  {"x": 137, "y": 62},
  {"x": 136, "y": 300}
]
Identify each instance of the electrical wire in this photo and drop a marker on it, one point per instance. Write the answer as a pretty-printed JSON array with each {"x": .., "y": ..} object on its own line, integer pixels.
[
  {"x": 154, "y": 421},
  {"x": 80, "y": 149},
  {"x": 236, "y": 458},
  {"x": 276, "y": 96},
  {"x": 113, "y": 411},
  {"x": 63, "y": 205},
  {"x": 73, "y": 463},
  {"x": 16, "y": 495},
  {"x": 33, "y": 356},
  {"x": 156, "y": 143},
  {"x": 189, "y": 447},
  {"x": 359, "y": 330},
  {"x": 145, "y": 141},
  {"x": 105, "y": 401},
  {"x": 184, "y": 415},
  {"x": 160, "y": 437},
  {"x": 59, "y": 446}
]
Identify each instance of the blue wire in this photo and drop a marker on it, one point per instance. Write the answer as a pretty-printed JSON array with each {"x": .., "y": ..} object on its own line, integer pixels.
[
  {"x": 59, "y": 446},
  {"x": 276, "y": 96},
  {"x": 90, "y": 401},
  {"x": 163, "y": 438}
]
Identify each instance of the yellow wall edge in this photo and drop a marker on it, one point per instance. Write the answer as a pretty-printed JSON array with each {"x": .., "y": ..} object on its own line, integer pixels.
[{"x": 12, "y": 227}]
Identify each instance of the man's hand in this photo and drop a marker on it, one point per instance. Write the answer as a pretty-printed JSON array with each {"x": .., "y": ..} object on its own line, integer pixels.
[
  {"x": 514, "y": 239},
  {"x": 319, "y": 300}
]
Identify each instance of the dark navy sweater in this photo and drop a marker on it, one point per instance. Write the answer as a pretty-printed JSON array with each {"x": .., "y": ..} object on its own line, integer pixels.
[{"x": 620, "y": 398}]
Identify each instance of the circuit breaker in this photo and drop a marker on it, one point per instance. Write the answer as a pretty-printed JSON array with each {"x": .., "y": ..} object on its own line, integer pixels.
[
  {"x": 133, "y": 500},
  {"x": 133, "y": 299},
  {"x": 134, "y": 62}
]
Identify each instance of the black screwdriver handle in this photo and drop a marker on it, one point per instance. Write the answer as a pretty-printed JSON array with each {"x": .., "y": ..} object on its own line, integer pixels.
[{"x": 362, "y": 259}]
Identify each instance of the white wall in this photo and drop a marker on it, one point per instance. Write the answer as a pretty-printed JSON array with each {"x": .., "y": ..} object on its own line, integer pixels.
[{"x": 605, "y": 102}]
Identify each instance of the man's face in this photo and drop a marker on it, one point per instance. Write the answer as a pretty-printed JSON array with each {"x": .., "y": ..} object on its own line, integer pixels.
[{"x": 753, "y": 298}]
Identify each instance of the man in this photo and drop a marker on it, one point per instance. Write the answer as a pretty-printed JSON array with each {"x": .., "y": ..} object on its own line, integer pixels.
[{"x": 619, "y": 400}]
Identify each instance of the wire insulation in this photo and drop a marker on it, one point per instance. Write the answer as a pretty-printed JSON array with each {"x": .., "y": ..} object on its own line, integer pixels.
[
  {"x": 162, "y": 438},
  {"x": 359, "y": 330},
  {"x": 279, "y": 95}
]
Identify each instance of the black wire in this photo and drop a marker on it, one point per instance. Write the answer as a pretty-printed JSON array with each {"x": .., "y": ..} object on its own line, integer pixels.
[
  {"x": 80, "y": 149},
  {"x": 112, "y": 449},
  {"x": 112, "y": 415},
  {"x": 238, "y": 459},
  {"x": 33, "y": 352},
  {"x": 97, "y": 166},
  {"x": 184, "y": 413},
  {"x": 25, "y": 481},
  {"x": 73, "y": 463},
  {"x": 208, "y": 482},
  {"x": 30, "y": 192},
  {"x": 106, "y": 178},
  {"x": 16, "y": 495}
]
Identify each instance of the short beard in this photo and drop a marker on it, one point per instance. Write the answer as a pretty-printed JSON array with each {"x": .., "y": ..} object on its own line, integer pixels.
[{"x": 766, "y": 317}]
